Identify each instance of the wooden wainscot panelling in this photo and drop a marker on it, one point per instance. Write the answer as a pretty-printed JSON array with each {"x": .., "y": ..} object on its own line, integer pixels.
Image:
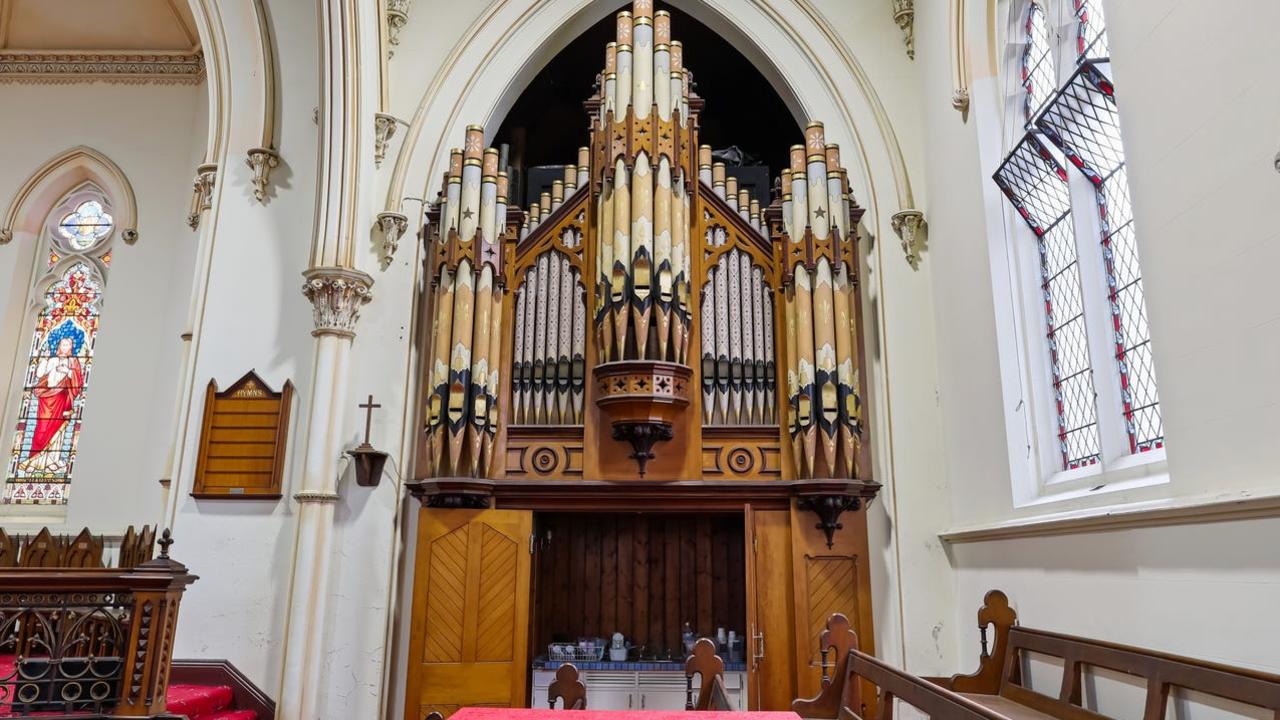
[
  {"x": 544, "y": 451},
  {"x": 242, "y": 440},
  {"x": 741, "y": 452}
]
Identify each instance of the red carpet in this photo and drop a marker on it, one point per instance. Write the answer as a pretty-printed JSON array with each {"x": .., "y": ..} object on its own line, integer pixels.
[{"x": 198, "y": 702}]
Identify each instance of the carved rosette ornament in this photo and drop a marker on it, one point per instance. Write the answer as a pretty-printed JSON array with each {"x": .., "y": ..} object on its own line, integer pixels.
[
  {"x": 910, "y": 227},
  {"x": 336, "y": 295},
  {"x": 202, "y": 192},
  {"x": 904, "y": 13},
  {"x": 261, "y": 160},
  {"x": 393, "y": 226},
  {"x": 397, "y": 18}
]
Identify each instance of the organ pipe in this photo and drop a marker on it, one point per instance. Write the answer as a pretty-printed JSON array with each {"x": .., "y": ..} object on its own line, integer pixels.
[
  {"x": 466, "y": 267},
  {"x": 824, "y": 415}
]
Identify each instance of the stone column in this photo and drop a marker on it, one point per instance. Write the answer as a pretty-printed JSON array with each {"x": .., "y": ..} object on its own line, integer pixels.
[{"x": 337, "y": 291}]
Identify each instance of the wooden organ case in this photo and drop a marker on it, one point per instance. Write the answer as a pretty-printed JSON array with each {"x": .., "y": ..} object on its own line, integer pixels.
[{"x": 644, "y": 339}]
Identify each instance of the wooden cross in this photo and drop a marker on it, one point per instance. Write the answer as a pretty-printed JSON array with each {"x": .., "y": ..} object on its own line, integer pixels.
[{"x": 368, "y": 406}]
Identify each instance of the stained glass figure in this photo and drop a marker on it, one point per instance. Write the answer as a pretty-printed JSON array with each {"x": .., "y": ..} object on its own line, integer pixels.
[
  {"x": 1037, "y": 186},
  {"x": 1084, "y": 122},
  {"x": 85, "y": 226},
  {"x": 1038, "y": 76},
  {"x": 58, "y": 365}
]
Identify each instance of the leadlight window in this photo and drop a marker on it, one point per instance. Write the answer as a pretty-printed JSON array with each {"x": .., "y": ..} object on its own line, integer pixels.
[
  {"x": 60, "y": 356},
  {"x": 1073, "y": 131},
  {"x": 1037, "y": 186}
]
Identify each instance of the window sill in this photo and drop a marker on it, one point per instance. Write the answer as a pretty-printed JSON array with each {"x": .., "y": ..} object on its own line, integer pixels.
[
  {"x": 1130, "y": 472},
  {"x": 1151, "y": 513}
]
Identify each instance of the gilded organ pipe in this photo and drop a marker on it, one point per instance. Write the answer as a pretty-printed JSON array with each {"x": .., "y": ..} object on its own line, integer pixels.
[
  {"x": 819, "y": 283},
  {"x": 466, "y": 265}
]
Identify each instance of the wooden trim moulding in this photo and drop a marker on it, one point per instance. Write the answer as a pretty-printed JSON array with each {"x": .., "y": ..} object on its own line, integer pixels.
[
  {"x": 221, "y": 672},
  {"x": 1156, "y": 513},
  {"x": 628, "y": 495}
]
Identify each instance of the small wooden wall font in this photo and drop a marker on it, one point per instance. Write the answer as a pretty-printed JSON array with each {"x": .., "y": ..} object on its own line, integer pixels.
[{"x": 242, "y": 440}]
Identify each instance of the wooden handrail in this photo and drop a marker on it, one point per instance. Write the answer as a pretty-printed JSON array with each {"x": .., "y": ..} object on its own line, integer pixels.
[{"x": 116, "y": 626}]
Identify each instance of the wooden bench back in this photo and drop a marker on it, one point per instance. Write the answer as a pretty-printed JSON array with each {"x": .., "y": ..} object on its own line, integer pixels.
[
  {"x": 1160, "y": 671},
  {"x": 705, "y": 663},
  {"x": 568, "y": 687},
  {"x": 844, "y": 692},
  {"x": 1000, "y": 671}
]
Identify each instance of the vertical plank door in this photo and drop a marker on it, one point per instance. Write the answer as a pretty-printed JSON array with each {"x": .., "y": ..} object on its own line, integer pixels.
[
  {"x": 469, "y": 633},
  {"x": 771, "y": 672}
]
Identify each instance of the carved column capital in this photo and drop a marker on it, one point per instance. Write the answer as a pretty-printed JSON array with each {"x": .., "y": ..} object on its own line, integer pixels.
[
  {"x": 397, "y": 18},
  {"x": 261, "y": 160},
  {"x": 904, "y": 13},
  {"x": 202, "y": 192},
  {"x": 393, "y": 226},
  {"x": 336, "y": 295},
  {"x": 910, "y": 225}
]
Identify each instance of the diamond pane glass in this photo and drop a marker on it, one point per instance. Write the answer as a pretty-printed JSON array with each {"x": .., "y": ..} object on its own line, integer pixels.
[
  {"x": 1037, "y": 186},
  {"x": 1038, "y": 76},
  {"x": 1084, "y": 122},
  {"x": 83, "y": 227},
  {"x": 48, "y": 428},
  {"x": 1091, "y": 29}
]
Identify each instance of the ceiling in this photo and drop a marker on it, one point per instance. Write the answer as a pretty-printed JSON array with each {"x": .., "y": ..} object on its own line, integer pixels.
[{"x": 98, "y": 25}]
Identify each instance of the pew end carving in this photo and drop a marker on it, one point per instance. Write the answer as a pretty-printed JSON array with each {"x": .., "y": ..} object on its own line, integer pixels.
[
  {"x": 706, "y": 665},
  {"x": 1001, "y": 618},
  {"x": 568, "y": 688}
]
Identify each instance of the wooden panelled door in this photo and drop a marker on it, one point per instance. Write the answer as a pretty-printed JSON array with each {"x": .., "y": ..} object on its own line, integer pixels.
[
  {"x": 771, "y": 677},
  {"x": 469, "y": 632}
]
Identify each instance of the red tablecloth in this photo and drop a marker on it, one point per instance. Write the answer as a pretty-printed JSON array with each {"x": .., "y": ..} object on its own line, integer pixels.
[{"x": 475, "y": 713}]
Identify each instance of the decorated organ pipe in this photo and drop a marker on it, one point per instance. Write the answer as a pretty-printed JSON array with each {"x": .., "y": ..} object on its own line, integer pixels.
[
  {"x": 642, "y": 218},
  {"x": 680, "y": 254},
  {"x": 824, "y": 413},
  {"x": 468, "y": 291}
]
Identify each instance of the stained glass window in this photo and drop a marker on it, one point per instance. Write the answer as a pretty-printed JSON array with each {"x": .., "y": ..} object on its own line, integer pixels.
[
  {"x": 1037, "y": 186},
  {"x": 85, "y": 226},
  {"x": 58, "y": 364},
  {"x": 1091, "y": 30},
  {"x": 1083, "y": 121},
  {"x": 1038, "y": 77},
  {"x": 1077, "y": 116}
]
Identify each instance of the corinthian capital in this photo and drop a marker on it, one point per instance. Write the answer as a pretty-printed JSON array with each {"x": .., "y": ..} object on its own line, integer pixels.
[{"x": 336, "y": 295}]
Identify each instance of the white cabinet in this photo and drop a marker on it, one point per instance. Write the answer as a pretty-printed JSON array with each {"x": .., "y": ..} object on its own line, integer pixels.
[{"x": 637, "y": 689}]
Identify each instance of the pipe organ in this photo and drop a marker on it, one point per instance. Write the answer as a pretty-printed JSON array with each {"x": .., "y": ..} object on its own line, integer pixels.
[
  {"x": 646, "y": 346},
  {"x": 658, "y": 313}
]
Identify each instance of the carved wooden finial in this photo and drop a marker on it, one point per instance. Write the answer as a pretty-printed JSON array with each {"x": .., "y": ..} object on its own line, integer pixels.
[{"x": 166, "y": 539}]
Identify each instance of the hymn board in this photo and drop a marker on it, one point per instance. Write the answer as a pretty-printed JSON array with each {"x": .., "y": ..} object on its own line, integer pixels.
[{"x": 645, "y": 338}]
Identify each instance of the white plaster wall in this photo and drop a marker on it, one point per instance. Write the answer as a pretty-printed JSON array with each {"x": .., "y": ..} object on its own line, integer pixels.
[
  {"x": 153, "y": 134},
  {"x": 251, "y": 314},
  {"x": 1201, "y": 128}
]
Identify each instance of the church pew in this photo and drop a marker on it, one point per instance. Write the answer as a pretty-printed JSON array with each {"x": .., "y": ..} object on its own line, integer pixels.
[
  {"x": 568, "y": 687},
  {"x": 998, "y": 683},
  {"x": 706, "y": 664},
  {"x": 841, "y": 695}
]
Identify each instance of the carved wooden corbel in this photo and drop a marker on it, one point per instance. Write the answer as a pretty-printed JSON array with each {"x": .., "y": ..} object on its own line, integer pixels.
[
  {"x": 393, "y": 226},
  {"x": 828, "y": 509},
  {"x": 202, "y": 192},
  {"x": 452, "y": 493},
  {"x": 397, "y": 18}
]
